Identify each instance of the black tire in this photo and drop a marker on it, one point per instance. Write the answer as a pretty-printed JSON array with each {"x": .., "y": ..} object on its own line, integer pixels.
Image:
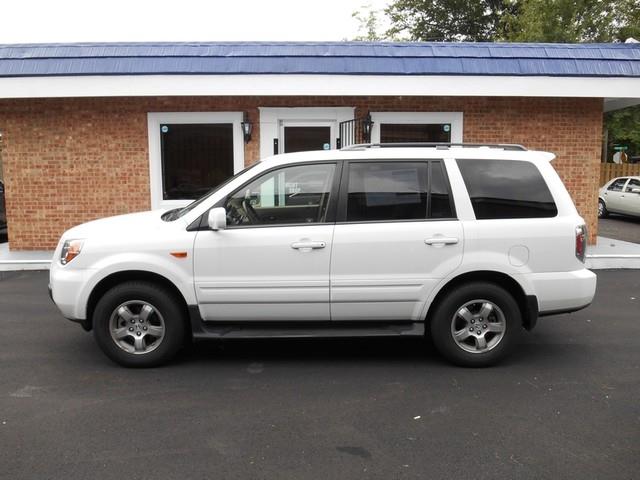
[
  {"x": 507, "y": 316},
  {"x": 166, "y": 307},
  {"x": 602, "y": 209}
]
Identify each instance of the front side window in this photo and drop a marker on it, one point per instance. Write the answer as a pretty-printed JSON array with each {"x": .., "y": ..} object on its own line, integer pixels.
[
  {"x": 292, "y": 195},
  {"x": 506, "y": 189},
  {"x": 387, "y": 191},
  {"x": 618, "y": 185}
]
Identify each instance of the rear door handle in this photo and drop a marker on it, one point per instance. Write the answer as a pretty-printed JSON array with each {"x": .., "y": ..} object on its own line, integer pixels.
[
  {"x": 436, "y": 241},
  {"x": 308, "y": 245}
]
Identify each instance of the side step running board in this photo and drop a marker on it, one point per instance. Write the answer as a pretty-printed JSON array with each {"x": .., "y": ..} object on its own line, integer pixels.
[{"x": 303, "y": 330}]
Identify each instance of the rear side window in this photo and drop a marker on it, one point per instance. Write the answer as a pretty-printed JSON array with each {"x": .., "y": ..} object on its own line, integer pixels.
[
  {"x": 397, "y": 190},
  {"x": 387, "y": 191},
  {"x": 633, "y": 184},
  {"x": 506, "y": 189}
]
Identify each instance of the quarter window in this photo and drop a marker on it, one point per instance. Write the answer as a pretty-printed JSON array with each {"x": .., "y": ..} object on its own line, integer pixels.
[
  {"x": 618, "y": 185},
  {"x": 506, "y": 189},
  {"x": 292, "y": 195}
]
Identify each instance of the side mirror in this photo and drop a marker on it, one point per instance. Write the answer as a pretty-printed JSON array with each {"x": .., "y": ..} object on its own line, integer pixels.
[
  {"x": 217, "y": 219},
  {"x": 635, "y": 190}
]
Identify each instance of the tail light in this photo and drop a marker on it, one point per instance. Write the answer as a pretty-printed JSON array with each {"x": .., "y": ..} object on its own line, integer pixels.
[{"x": 581, "y": 242}]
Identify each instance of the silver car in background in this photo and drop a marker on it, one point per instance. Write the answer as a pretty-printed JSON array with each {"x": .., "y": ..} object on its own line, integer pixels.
[{"x": 620, "y": 195}]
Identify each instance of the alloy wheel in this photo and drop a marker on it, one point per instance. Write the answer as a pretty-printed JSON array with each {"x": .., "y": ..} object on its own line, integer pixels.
[
  {"x": 478, "y": 326},
  {"x": 137, "y": 327}
]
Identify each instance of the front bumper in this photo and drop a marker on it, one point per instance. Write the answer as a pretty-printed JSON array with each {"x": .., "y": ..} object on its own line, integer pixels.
[{"x": 65, "y": 289}]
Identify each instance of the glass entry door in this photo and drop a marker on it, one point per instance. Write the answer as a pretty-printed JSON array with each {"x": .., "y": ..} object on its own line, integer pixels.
[{"x": 301, "y": 137}]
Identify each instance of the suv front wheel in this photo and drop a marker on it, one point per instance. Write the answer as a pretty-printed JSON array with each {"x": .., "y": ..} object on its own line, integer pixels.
[
  {"x": 476, "y": 324},
  {"x": 139, "y": 324}
]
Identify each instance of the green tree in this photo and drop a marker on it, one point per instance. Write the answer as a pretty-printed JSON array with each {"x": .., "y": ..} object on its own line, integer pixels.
[
  {"x": 447, "y": 20},
  {"x": 504, "y": 20},
  {"x": 624, "y": 129},
  {"x": 569, "y": 21},
  {"x": 369, "y": 24}
]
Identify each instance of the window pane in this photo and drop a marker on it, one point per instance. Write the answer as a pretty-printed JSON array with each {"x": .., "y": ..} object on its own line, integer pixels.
[
  {"x": 440, "y": 204},
  {"x": 633, "y": 183},
  {"x": 195, "y": 158},
  {"x": 506, "y": 189},
  {"x": 289, "y": 195},
  {"x": 415, "y": 132},
  {"x": 302, "y": 139},
  {"x": 617, "y": 185},
  {"x": 387, "y": 191}
]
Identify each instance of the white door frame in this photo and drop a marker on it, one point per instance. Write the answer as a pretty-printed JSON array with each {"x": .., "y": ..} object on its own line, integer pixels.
[
  {"x": 154, "y": 119},
  {"x": 272, "y": 120},
  {"x": 333, "y": 130},
  {"x": 453, "y": 118}
]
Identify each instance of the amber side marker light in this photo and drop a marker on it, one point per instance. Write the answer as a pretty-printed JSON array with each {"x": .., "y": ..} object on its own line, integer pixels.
[
  {"x": 70, "y": 250},
  {"x": 179, "y": 254}
]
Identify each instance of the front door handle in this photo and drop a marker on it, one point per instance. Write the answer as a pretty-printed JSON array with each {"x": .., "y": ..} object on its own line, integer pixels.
[
  {"x": 308, "y": 245},
  {"x": 438, "y": 241}
]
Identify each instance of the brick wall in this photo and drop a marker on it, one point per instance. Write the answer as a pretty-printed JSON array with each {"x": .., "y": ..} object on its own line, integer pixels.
[{"x": 67, "y": 161}]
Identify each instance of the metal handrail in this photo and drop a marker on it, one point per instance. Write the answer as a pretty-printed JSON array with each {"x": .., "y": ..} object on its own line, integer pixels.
[{"x": 437, "y": 145}]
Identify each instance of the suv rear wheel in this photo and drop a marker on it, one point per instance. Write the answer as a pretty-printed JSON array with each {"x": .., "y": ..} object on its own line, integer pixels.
[
  {"x": 476, "y": 324},
  {"x": 139, "y": 324}
]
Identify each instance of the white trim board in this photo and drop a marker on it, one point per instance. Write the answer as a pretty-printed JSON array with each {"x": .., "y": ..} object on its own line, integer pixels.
[
  {"x": 306, "y": 85},
  {"x": 155, "y": 158}
]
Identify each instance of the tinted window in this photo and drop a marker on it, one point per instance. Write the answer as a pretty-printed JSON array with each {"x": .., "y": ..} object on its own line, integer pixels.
[
  {"x": 195, "y": 158},
  {"x": 617, "y": 185},
  {"x": 440, "y": 202},
  {"x": 415, "y": 132},
  {"x": 291, "y": 195},
  {"x": 387, "y": 191},
  {"x": 633, "y": 183},
  {"x": 506, "y": 189}
]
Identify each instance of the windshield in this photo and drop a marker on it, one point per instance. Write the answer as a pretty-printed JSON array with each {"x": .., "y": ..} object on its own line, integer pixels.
[{"x": 179, "y": 212}]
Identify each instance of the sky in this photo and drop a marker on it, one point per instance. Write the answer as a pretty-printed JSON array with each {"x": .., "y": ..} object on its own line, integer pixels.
[{"x": 49, "y": 21}]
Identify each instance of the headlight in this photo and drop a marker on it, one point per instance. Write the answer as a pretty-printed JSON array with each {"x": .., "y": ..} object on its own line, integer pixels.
[{"x": 70, "y": 250}]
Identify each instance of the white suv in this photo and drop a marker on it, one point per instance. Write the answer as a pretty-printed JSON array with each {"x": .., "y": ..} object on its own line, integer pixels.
[{"x": 469, "y": 244}]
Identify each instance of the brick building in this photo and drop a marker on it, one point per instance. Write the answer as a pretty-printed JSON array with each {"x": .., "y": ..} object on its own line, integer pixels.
[{"x": 103, "y": 129}]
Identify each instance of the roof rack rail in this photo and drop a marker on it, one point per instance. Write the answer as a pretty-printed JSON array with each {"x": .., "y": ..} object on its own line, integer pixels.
[{"x": 437, "y": 145}]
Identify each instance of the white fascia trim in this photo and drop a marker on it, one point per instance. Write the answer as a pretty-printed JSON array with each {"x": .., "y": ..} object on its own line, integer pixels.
[
  {"x": 155, "y": 155},
  {"x": 306, "y": 85},
  {"x": 454, "y": 118}
]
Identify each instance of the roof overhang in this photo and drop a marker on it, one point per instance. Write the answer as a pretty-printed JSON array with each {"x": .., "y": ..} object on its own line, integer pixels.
[{"x": 619, "y": 89}]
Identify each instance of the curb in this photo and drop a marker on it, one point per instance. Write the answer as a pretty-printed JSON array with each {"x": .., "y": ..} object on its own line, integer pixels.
[{"x": 615, "y": 261}]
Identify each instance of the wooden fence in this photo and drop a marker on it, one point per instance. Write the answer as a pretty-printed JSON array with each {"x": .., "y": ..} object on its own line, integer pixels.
[{"x": 612, "y": 170}]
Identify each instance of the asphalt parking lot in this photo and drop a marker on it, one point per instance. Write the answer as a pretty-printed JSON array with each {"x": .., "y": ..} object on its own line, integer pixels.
[
  {"x": 620, "y": 228},
  {"x": 566, "y": 405}
]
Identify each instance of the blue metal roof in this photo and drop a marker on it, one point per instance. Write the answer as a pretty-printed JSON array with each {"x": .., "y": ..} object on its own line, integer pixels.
[{"x": 328, "y": 58}]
